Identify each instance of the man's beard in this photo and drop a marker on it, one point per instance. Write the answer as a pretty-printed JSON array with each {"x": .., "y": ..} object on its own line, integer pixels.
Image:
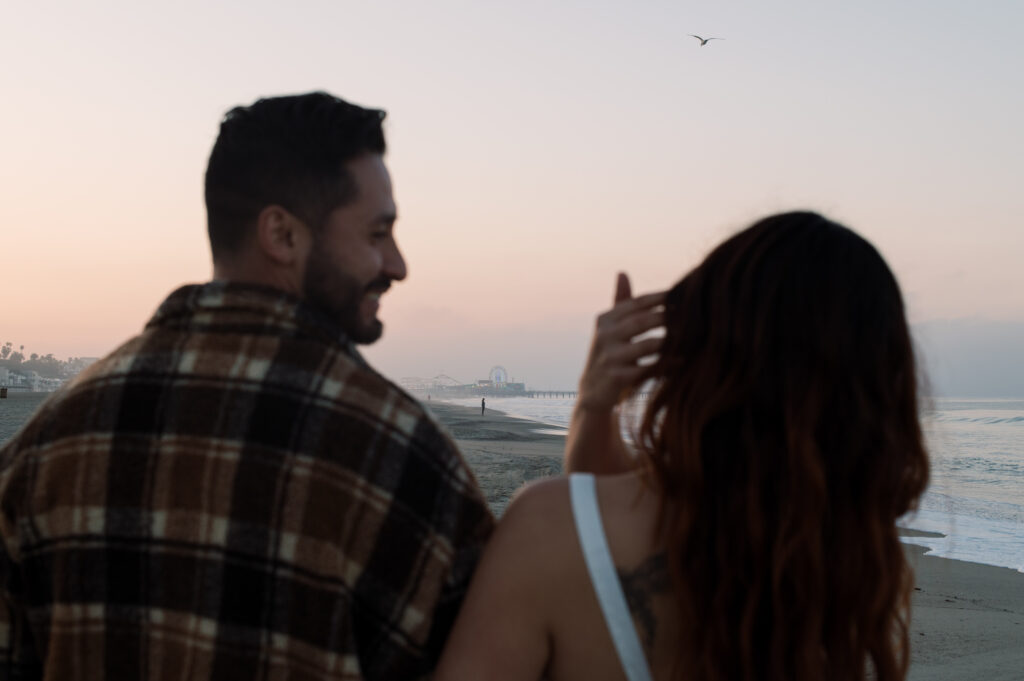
[{"x": 339, "y": 295}]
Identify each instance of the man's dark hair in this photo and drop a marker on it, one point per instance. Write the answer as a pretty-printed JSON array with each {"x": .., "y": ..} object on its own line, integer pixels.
[{"x": 287, "y": 151}]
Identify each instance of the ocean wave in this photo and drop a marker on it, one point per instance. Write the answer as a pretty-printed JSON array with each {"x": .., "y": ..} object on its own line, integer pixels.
[
  {"x": 949, "y": 418},
  {"x": 978, "y": 464}
]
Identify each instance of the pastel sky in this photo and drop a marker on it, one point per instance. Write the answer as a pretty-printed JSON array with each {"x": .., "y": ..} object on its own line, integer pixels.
[{"x": 536, "y": 149}]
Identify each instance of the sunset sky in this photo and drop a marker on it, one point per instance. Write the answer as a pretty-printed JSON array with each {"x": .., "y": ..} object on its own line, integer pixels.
[{"x": 536, "y": 148}]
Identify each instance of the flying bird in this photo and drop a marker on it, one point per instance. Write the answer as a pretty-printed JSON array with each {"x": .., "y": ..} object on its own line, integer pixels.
[{"x": 704, "y": 41}]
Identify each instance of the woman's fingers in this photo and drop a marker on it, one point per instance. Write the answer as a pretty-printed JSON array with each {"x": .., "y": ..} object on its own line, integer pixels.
[
  {"x": 623, "y": 326},
  {"x": 628, "y": 307},
  {"x": 622, "y": 333},
  {"x": 627, "y": 378},
  {"x": 620, "y": 365},
  {"x": 628, "y": 354},
  {"x": 616, "y": 370},
  {"x": 613, "y": 366},
  {"x": 635, "y": 325},
  {"x": 623, "y": 291}
]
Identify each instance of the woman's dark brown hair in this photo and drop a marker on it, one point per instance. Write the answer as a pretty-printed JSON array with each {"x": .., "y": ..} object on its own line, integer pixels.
[{"x": 783, "y": 437}]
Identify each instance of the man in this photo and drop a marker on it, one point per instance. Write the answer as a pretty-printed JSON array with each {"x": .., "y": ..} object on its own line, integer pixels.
[{"x": 235, "y": 493}]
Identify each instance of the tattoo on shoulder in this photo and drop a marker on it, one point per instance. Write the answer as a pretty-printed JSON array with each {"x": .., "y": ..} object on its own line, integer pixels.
[{"x": 639, "y": 586}]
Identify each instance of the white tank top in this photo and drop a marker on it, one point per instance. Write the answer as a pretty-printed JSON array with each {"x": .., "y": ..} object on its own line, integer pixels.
[{"x": 605, "y": 579}]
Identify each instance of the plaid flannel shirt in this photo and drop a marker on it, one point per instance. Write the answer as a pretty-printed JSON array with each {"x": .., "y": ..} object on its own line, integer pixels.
[{"x": 233, "y": 494}]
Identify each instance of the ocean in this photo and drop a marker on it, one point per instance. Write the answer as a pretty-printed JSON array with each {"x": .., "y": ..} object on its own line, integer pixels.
[
  {"x": 976, "y": 496},
  {"x": 15, "y": 410}
]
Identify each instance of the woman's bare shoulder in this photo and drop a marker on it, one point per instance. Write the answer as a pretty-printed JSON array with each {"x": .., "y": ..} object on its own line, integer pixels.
[
  {"x": 539, "y": 517},
  {"x": 543, "y": 495},
  {"x": 503, "y": 630}
]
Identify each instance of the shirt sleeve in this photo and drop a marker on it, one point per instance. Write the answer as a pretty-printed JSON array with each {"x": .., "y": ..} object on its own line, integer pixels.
[
  {"x": 476, "y": 523},
  {"x": 453, "y": 524},
  {"x": 18, "y": 659}
]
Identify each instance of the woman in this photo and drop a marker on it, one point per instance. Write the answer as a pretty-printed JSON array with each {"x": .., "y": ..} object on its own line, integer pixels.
[{"x": 754, "y": 535}]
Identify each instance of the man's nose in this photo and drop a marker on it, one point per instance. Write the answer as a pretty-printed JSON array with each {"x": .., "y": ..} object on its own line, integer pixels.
[{"x": 394, "y": 264}]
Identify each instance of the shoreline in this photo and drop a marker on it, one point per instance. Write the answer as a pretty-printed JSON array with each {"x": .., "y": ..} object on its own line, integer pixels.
[
  {"x": 504, "y": 452},
  {"x": 967, "y": 619}
]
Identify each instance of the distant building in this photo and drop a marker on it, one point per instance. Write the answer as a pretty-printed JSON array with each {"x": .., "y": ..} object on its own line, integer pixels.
[
  {"x": 496, "y": 385},
  {"x": 76, "y": 365},
  {"x": 29, "y": 382}
]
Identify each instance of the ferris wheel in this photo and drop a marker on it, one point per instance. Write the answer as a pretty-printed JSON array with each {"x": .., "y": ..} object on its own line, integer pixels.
[{"x": 498, "y": 375}]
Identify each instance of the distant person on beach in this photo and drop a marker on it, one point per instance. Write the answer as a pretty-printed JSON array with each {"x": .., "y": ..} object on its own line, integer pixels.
[
  {"x": 483, "y": 404},
  {"x": 235, "y": 493},
  {"x": 753, "y": 536}
]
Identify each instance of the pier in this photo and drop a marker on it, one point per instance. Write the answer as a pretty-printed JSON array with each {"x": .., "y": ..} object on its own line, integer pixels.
[
  {"x": 495, "y": 385},
  {"x": 568, "y": 394}
]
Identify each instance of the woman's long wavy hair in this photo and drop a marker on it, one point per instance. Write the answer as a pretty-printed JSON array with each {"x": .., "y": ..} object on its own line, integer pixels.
[{"x": 783, "y": 438}]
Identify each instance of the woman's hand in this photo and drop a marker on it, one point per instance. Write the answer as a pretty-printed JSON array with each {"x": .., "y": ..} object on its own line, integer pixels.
[{"x": 612, "y": 371}]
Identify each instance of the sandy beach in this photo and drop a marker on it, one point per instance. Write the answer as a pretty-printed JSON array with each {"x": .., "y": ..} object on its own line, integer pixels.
[
  {"x": 967, "y": 619},
  {"x": 504, "y": 452}
]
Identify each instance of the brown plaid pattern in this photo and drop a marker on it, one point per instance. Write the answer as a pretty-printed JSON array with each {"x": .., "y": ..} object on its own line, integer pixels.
[{"x": 233, "y": 494}]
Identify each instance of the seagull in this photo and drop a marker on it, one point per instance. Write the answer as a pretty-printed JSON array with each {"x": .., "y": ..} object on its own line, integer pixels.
[{"x": 704, "y": 41}]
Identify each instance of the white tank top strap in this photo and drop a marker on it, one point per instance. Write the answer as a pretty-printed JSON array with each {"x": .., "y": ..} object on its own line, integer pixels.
[{"x": 583, "y": 494}]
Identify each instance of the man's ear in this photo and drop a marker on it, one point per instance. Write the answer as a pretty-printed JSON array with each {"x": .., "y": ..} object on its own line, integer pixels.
[{"x": 281, "y": 236}]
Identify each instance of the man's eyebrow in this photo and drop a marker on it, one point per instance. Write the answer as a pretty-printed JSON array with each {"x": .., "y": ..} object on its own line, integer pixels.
[{"x": 387, "y": 218}]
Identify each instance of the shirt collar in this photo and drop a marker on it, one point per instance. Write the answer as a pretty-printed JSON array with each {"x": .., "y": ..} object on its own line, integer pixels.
[{"x": 194, "y": 305}]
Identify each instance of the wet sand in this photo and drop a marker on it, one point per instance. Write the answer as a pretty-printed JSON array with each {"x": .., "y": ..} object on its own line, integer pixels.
[
  {"x": 504, "y": 452},
  {"x": 967, "y": 619}
]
